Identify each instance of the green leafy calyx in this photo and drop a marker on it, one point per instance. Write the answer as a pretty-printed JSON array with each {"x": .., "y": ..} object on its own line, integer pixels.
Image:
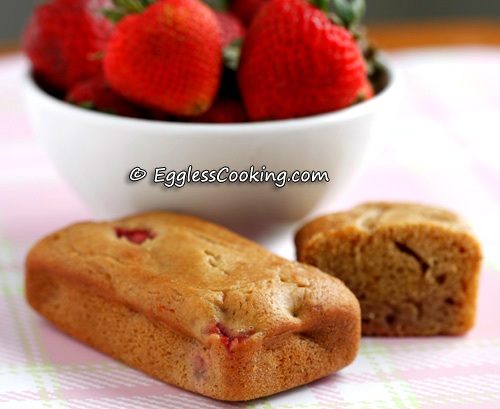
[
  {"x": 231, "y": 54},
  {"x": 218, "y": 5},
  {"x": 347, "y": 13},
  {"x": 122, "y": 8}
]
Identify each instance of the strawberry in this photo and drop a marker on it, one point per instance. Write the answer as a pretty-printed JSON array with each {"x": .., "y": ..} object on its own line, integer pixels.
[
  {"x": 230, "y": 26},
  {"x": 246, "y": 10},
  {"x": 168, "y": 56},
  {"x": 64, "y": 40},
  {"x": 95, "y": 93},
  {"x": 296, "y": 62},
  {"x": 224, "y": 111}
]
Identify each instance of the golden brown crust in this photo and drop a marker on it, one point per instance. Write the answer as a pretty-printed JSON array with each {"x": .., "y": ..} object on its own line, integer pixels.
[
  {"x": 414, "y": 268},
  {"x": 196, "y": 306}
]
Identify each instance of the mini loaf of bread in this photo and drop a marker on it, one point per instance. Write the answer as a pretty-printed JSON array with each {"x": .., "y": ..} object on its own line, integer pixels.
[
  {"x": 413, "y": 268},
  {"x": 194, "y": 305}
]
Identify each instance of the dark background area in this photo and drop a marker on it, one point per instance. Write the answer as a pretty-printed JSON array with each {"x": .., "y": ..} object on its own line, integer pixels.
[
  {"x": 401, "y": 10},
  {"x": 15, "y": 12}
]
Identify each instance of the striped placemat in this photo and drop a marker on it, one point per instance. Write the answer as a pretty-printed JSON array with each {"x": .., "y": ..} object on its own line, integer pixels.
[{"x": 442, "y": 146}]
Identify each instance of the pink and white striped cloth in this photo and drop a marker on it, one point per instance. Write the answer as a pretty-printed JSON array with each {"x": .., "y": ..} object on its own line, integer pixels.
[{"x": 442, "y": 146}]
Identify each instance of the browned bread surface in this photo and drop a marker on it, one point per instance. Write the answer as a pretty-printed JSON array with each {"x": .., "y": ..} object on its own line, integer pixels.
[
  {"x": 413, "y": 268},
  {"x": 194, "y": 304}
]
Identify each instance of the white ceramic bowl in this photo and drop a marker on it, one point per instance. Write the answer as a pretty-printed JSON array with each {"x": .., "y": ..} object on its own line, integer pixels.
[{"x": 95, "y": 152}]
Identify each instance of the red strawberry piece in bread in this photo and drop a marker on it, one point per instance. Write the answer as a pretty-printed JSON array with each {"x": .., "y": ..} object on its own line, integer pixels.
[
  {"x": 246, "y": 10},
  {"x": 65, "y": 39},
  {"x": 295, "y": 62},
  {"x": 168, "y": 57},
  {"x": 135, "y": 236},
  {"x": 224, "y": 111},
  {"x": 227, "y": 337},
  {"x": 231, "y": 27},
  {"x": 96, "y": 94}
]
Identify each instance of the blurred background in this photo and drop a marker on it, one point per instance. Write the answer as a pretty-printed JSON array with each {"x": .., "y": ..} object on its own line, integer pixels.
[
  {"x": 13, "y": 16},
  {"x": 471, "y": 20}
]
